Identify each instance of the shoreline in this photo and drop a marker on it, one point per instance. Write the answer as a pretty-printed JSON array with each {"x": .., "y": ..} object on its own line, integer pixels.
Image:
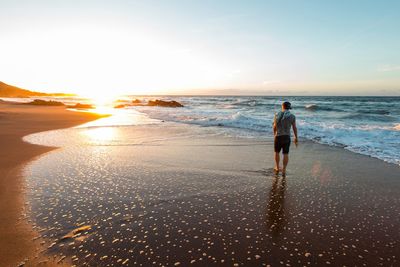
[{"x": 17, "y": 121}]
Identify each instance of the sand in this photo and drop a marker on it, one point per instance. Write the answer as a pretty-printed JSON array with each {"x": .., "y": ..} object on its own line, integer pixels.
[
  {"x": 172, "y": 197},
  {"x": 16, "y": 121}
]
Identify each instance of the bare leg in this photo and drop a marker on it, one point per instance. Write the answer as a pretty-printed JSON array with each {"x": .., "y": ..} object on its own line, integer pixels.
[
  {"x": 285, "y": 163},
  {"x": 277, "y": 159}
]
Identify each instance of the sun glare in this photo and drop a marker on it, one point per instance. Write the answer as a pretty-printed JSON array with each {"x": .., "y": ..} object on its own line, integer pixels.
[
  {"x": 101, "y": 100},
  {"x": 100, "y": 134},
  {"x": 99, "y": 61}
]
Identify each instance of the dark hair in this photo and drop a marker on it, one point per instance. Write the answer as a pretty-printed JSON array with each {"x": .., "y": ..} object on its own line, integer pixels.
[{"x": 287, "y": 105}]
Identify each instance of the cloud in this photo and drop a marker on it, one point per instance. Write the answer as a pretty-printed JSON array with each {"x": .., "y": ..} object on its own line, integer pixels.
[
  {"x": 271, "y": 82},
  {"x": 389, "y": 68}
]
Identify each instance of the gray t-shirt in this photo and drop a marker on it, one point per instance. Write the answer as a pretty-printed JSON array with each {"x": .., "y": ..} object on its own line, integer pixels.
[{"x": 284, "y": 121}]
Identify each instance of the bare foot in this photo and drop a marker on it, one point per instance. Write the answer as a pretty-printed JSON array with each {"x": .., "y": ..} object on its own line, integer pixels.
[
  {"x": 276, "y": 170},
  {"x": 283, "y": 172}
]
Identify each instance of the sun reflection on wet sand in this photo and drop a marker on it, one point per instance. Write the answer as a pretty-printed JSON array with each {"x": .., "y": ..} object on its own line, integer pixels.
[
  {"x": 324, "y": 174},
  {"x": 119, "y": 118},
  {"x": 100, "y": 134}
]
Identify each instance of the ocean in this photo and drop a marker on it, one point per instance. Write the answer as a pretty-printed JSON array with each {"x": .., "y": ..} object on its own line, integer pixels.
[{"x": 364, "y": 125}]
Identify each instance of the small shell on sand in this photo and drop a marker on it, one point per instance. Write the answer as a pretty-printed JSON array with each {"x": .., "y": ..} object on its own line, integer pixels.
[{"x": 76, "y": 231}]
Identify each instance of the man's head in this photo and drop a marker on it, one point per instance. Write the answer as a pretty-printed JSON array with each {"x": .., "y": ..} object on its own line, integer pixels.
[{"x": 286, "y": 105}]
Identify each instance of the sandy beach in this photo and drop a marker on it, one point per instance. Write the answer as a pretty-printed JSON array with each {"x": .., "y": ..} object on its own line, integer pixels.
[
  {"x": 16, "y": 121},
  {"x": 176, "y": 195}
]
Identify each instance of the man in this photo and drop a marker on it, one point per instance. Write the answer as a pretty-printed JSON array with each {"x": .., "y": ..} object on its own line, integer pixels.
[{"x": 283, "y": 121}]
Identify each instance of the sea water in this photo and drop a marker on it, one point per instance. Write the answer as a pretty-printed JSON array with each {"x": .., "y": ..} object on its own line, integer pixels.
[{"x": 365, "y": 125}]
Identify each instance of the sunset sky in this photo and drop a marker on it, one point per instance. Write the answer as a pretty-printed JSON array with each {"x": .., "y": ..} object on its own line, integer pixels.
[{"x": 212, "y": 47}]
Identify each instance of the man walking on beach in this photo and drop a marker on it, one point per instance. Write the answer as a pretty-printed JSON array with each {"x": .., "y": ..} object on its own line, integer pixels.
[{"x": 283, "y": 121}]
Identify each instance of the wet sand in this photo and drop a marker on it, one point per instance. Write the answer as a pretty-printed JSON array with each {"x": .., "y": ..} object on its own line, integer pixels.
[
  {"x": 16, "y": 121},
  {"x": 214, "y": 201}
]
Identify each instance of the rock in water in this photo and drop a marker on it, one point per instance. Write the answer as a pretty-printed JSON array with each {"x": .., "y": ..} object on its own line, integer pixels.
[
  {"x": 83, "y": 106},
  {"x": 40, "y": 102},
  {"x": 163, "y": 103}
]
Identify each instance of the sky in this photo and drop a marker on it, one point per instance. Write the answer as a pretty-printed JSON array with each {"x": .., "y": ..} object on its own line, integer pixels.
[{"x": 298, "y": 47}]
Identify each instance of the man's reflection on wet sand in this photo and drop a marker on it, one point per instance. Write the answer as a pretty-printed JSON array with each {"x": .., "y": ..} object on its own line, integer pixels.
[{"x": 276, "y": 220}]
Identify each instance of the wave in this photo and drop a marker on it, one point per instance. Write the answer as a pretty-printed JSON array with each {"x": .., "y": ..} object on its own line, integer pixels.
[
  {"x": 369, "y": 117},
  {"x": 237, "y": 120},
  {"x": 250, "y": 103},
  {"x": 315, "y": 107},
  {"x": 374, "y": 111},
  {"x": 311, "y": 107},
  {"x": 242, "y": 121},
  {"x": 247, "y": 102}
]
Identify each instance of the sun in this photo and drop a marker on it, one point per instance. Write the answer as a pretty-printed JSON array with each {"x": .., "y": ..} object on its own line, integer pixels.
[{"x": 102, "y": 100}]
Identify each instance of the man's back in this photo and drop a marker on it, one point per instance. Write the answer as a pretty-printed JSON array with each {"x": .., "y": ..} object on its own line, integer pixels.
[{"x": 284, "y": 121}]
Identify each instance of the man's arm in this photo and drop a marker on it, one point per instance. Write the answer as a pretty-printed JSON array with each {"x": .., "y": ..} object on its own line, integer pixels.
[
  {"x": 295, "y": 132},
  {"x": 274, "y": 125}
]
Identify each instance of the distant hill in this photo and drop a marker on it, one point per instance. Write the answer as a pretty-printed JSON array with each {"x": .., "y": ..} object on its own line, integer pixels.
[{"x": 7, "y": 90}]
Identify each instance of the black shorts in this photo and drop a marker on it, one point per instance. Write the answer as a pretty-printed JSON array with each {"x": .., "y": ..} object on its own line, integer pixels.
[{"x": 282, "y": 142}]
